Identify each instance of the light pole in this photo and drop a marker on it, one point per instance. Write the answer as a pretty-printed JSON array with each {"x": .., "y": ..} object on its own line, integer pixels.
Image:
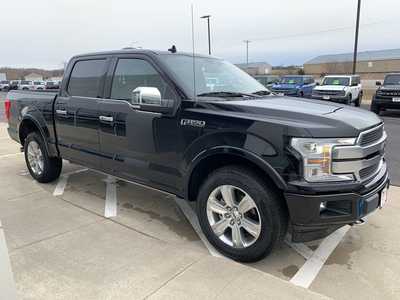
[
  {"x": 356, "y": 38},
  {"x": 209, "y": 35},
  {"x": 247, "y": 52}
]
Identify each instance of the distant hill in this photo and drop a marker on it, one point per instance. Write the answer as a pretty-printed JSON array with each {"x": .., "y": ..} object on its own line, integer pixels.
[{"x": 20, "y": 73}]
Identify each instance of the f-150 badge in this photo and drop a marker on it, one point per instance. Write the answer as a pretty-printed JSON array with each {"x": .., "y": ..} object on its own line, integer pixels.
[{"x": 194, "y": 123}]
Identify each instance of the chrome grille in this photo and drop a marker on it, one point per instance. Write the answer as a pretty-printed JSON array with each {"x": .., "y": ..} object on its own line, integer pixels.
[
  {"x": 369, "y": 171},
  {"x": 328, "y": 93},
  {"x": 371, "y": 136},
  {"x": 364, "y": 159},
  {"x": 389, "y": 93}
]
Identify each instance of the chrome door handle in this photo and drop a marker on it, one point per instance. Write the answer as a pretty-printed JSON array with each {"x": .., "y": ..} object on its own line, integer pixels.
[
  {"x": 61, "y": 112},
  {"x": 106, "y": 119}
]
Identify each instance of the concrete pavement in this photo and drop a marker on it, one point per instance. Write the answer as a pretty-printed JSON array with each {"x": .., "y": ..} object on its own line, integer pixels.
[{"x": 63, "y": 247}]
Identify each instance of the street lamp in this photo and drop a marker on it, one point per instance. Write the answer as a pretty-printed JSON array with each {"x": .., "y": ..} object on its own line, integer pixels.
[
  {"x": 209, "y": 37},
  {"x": 356, "y": 38},
  {"x": 247, "y": 51}
]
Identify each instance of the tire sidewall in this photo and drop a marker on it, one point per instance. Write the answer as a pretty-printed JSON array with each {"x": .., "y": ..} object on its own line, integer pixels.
[
  {"x": 269, "y": 218},
  {"x": 38, "y": 139}
]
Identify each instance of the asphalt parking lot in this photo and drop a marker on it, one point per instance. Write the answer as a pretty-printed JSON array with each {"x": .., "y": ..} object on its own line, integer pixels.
[{"x": 92, "y": 237}]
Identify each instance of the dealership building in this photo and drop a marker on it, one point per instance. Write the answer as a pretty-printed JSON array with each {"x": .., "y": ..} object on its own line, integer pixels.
[{"x": 370, "y": 64}]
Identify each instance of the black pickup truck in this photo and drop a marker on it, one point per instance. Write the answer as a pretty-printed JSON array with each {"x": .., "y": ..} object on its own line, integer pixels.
[
  {"x": 257, "y": 164},
  {"x": 388, "y": 94}
]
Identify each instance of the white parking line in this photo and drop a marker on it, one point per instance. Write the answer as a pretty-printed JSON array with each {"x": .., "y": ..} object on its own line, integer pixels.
[
  {"x": 300, "y": 248},
  {"x": 10, "y": 155},
  {"x": 192, "y": 218},
  {"x": 7, "y": 284},
  {"x": 110, "y": 208},
  {"x": 309, "y": 271},
  {"x": 63, "y": 180}
]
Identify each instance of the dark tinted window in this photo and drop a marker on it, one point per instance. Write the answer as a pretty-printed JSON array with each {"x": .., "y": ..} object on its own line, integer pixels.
[
  {"x": 392, "y": 79},
  {"x": 85, "y": 78},
  {"x": 336, "y": 81},
  {"x": 133, "y": 73}
]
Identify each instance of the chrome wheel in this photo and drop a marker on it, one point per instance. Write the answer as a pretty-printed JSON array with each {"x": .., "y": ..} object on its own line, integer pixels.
[
  {"x": 35, "y": 158},
  {"x": 233, "y": 216}
]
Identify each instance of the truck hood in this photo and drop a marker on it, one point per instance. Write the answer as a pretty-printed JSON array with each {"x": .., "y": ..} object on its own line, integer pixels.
[
  {"x": 301, "y": 117},
  {"x": 330, "y": 88}
]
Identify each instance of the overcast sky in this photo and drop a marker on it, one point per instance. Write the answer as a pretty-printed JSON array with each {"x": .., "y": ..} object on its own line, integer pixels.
[{"x": 45, "y": 33}]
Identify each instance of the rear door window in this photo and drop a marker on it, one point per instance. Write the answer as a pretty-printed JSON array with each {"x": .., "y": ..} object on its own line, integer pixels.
[{"x": 86, "y": 76}]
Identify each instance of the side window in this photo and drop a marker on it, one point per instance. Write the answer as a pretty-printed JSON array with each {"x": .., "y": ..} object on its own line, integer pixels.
[
  {"x": 131, "y": 73},
  {"x": 85, "y": 78}
]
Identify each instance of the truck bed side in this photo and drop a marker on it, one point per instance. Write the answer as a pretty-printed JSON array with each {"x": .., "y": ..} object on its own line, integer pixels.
[{"x": 32, "y": 111}]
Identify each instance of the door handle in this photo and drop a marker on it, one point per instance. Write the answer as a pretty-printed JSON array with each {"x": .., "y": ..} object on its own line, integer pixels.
[
  {"x": 106, "y": 119},
  {"x": 61, "y": 112}
]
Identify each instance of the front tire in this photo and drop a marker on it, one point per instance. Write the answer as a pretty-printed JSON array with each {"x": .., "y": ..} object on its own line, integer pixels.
[
  {"x": 240, "y": 214},
  {"x": 359, "y": 100},
  {"x": 41, "y": 166}
]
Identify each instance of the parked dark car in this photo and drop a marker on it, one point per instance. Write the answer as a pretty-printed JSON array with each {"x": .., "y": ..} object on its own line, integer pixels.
[
  {"x": 388, "y": 94},
  {"x": 256, "y": 164},
  {"x": 14, "y": 84},
  {"x": 295, "y": 86}
]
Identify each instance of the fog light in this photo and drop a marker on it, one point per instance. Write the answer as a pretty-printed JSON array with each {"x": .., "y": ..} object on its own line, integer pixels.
[{"x": 322, "y": 206}]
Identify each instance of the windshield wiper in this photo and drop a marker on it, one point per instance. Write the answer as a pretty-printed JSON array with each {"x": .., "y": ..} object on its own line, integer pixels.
[
  {"x": 223, "y": 94},
  {"x": 262, "y": 93}
]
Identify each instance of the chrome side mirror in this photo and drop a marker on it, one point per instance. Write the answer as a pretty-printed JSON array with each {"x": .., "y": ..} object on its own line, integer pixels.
[{"x": 146, "y": 96}]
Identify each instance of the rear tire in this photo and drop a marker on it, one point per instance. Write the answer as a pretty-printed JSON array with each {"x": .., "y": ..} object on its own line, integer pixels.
[
  {"x": 41, "y": 166},
  {"x": 263, "y": 208}
]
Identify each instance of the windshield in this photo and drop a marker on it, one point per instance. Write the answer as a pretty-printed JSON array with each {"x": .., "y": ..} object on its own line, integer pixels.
[
  {"x": 4, "y": 81},
  {"x": 212, "y": 75},
  {"x": 25, "y": 82},
  {"x": 392, "y": 80},
  {"x": 292, "y": 80},
  {"x": 336, "y": 81},
  {"x": 37, "y": 83}
]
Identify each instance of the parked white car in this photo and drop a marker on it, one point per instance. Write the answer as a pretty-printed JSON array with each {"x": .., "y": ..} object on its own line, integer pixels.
[
  {"x": 345, "y": 89},
  {"x": 4, "y": 85},
  {"x": 39, "y": 85},
  {"x": 25, "y": 85}
]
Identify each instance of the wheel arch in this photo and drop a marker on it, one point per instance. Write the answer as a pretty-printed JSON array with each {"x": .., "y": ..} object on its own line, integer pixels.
[
  {"x": 30, "y": 124},
  {"x": 218, "y": 157}
]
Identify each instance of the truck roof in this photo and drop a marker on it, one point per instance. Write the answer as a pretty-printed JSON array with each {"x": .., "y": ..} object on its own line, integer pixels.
[{"x": 141, "y": 51}]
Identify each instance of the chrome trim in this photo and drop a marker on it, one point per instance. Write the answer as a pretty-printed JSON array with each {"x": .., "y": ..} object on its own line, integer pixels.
[
  {"x": 357, "y": 151},
  {"x": 352, "y": 159},
  {"x": 106, "y": 119},
  {"x": 368, "y": 131}
]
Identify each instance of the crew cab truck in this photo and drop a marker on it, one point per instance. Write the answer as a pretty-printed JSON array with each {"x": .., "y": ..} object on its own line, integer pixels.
[
  {"x": 345, "y": 89},
  {"x": 295, "y": 86},
  {"x": 257, "y": 164},
  {"x": 388, "y": 94}
]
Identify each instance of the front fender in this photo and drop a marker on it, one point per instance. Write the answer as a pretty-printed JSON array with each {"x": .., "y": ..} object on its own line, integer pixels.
[{"x": 253, "y": 150}]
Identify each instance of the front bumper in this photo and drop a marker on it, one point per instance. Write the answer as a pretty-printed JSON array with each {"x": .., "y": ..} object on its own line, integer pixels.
[
  {"x": 385, "y": 102},
  {"x": 334, "y": 98},
  {"x": 308, "y": 222}
]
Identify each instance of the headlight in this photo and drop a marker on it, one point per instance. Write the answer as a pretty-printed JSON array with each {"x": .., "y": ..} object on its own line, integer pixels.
[{"x": 317, "y": 158}]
